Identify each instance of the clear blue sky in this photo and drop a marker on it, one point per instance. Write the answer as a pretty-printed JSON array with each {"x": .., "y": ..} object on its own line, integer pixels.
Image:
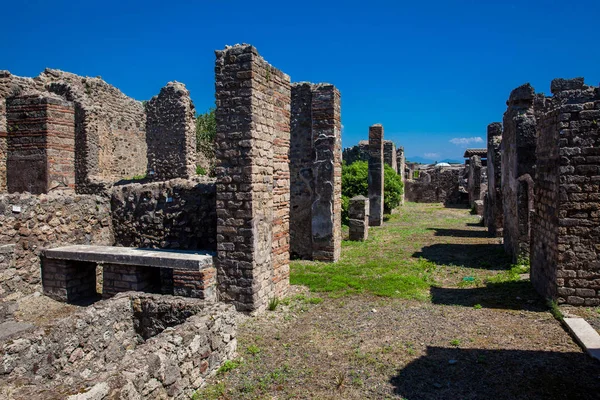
[{"x": 429, "y": 71}]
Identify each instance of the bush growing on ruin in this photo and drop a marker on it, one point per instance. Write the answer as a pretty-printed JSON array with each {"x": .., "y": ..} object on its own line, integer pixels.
[
  {"x": 355, "y": 182},
  {"x": 206, "y": 130}
]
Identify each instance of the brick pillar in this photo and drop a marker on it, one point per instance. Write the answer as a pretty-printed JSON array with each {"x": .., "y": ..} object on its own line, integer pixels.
[
  {"x": 252, "y": 98},
  {"x": 376, "y": 175},
  {"x": 494, "y": 215},
  {"x": 41, "y": 142},
  {"x": 518, "y": 159},
  {"x": 327, "y": 202},
  {"x": 358, "y": 213},
  {"x": 401, "y": 162},
  {"x": 389, "y": 154},
  {"x": 565, "y": 244},
  {"x": 68, "y": 281},
  {"x": 171, "y": 133},
  {"x": 474, "y": 182}
]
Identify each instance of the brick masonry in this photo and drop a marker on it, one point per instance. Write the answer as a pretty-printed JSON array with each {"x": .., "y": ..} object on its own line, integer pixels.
[
  {"x": 518, "y": 159},
  {"x": 41, "y": 141},
  {"x": 171, "y": 133},
  {"x": 376, "y": 175},
  {"x": 253, "y": 128},
  {"x": 565, "y": 241},
  {"x": 494, "y": 210},
  {"x": 315, "y": 166},
  {"x": 401, "y": 163},
  {"x": 360, "y": 152}
]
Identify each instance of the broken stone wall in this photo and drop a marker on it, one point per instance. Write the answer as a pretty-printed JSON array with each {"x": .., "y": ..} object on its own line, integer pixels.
[
  {"x": 122, "y": 347},
  {"x": 315, "y": 169},
  {"x": 434, "y": 185},
  {"x": 360, "y": 152},
  {"x": 171, "y": 133},
  {"x": 110, "y": 128},
  {"x": 32, "y": 223},
  {"x": 40, "y": 144},
  {"x": 376, "y": 175},
  {"x": 566, "y": 222},
  {"x": 174, "y": 214},
  {"x": 252, "y": 143},
  {"x": 518, "y": 160},
  {"x": 494, "y": 208}
]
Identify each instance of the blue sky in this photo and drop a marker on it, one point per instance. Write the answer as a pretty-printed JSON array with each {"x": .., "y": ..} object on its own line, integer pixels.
[{"x": 429, "y": 71}]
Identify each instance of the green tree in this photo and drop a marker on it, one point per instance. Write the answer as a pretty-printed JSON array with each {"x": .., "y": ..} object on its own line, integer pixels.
[{"x": 355, "y": 182}]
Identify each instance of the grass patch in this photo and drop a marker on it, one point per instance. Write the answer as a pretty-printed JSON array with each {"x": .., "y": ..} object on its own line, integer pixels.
[
  {"x": 555, "y": 310},
  {"x": 228, "y": 365}
]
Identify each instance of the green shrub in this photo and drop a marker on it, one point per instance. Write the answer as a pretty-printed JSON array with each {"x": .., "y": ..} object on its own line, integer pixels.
[
  {"x": 355, "y": 182},
  {"x": 200, "y": 170}
]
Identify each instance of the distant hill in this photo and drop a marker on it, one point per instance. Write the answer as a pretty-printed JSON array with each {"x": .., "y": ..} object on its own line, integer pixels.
[{"x": 423, "y": 160}]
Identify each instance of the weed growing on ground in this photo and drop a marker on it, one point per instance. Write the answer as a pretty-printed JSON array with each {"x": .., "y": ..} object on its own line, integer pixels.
[
  {"x": 253, "y": 350},
  {"x": 555, "y": 310},
  {"x": 477, "y": 306},
  {"x": 273, "y": 303},
  {"x": 211, "y": 392},
  {"x": 455, "y": 342},
  {"x": 228, "y": 365}
]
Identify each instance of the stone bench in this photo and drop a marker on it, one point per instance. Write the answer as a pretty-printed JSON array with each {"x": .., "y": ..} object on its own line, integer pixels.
[{"x": 69, "y": 273}]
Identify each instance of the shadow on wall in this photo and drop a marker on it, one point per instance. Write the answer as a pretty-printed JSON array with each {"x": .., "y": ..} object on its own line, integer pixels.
[
  {"x": 458, "y": 233},
  {"x": 518, "y": 295},
  {"x": 480, "y": 256},
  {"x": 498, "y": 374}
]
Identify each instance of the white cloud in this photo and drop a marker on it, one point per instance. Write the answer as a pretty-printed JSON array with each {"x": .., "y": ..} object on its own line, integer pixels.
[
  {"x": 431, "y": 155},
  {"x": 463, "y": 141}
]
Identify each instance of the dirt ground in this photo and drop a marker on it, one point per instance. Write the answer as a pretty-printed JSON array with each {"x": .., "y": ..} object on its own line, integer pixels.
[{"x": 471, "y": 339}]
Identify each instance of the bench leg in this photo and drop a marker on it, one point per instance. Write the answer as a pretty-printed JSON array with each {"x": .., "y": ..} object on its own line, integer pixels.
[
  {"x": 68, "y": 281},
  {"x": 124, "y": 278},
  {"x": 199, "y": 284}
]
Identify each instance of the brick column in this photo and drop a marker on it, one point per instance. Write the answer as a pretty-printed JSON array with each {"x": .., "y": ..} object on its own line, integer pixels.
[
  {"x": 565, "y": 244},
  {"x": 41, "y": 142},
  {"x": 494, "y": 215},
  {"x": 327, "y": 204},
  {"x": 253, "y": 101},
  {"x": 401, "y": 161},
  {"x": 376, "y": 175},
  {"x": 358, "y": 213},
  {"x": 474, "y": 183},
  {"x": 171, "y": 133}
]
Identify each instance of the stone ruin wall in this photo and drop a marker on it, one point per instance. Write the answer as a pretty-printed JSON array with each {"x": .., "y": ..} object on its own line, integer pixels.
[
  {"x": 518, "y": 167},
  {"x": 434, "y": 185},
  {"x": 171, "y": 133},
  {"x": 174, "y": 214},
  {"x": 253, "y": 132},
  {"x": 566, "y": 222},
  {"x": 360, "y": 152},
  {"x": 376, "y": 175},
  {"x": 109, "y": 126},
  {"x": 474, "y": 180},
  {"x": 315, "y": 170},
  {"x": 494, "y": 210},
  {"x": 122, "y": 349},
  {"x": 31, "y": 223}
]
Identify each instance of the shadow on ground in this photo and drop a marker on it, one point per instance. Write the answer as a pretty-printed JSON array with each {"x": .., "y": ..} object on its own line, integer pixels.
[
  {"x": 459, "y": 233},
  {"x": 480, "y": 256},
  {"x": 453, "y": 373},
  {"x": 518, "y": 295}
]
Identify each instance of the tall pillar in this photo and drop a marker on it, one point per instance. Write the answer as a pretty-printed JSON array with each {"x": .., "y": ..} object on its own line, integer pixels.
[
  {"x": 494, "y": 171},
  {"x": 253, "y": 105},
  {"x": 376, "y": 178},
  {"x": 518, "y": 159},
  {"x": 41, "y": 142},
  {"x": 474, "y": 182},
  {"x": 171, "y": 133}
]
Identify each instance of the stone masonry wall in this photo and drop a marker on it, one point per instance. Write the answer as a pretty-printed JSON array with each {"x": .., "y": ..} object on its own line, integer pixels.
[
  {"x": 174, "y": 214},
  {"x": 401, "y": 163},
  {"x": 494, "y": 208},
  {"x": 41, "y": 141},
  {"x": 315, "y": 165},
  {"x": 434, "y": 185},
  {"x": 32, "y": 223},
  {"x": 389, "y": 154},
  {"x": 360, "y": 152},
  {"x": 474, "y": 180},
  {"x": 518, "y": 159},
  {"x": 565, "y": 237},
  {"x": 133, "y": 346},
  {"x": 171, "y": 133},
  {"x": 253, "y": 106},
  {"x": 110, "y": 128}
]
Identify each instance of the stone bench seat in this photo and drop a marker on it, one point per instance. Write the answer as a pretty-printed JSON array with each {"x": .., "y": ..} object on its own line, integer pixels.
[{"x": 69, "y": 273}]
